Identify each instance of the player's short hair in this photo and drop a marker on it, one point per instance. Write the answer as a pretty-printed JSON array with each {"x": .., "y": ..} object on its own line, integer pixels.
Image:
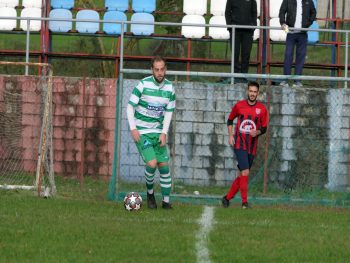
[
  {"x": 253, "y": 84},
  {"x": 157, "y": 59}
]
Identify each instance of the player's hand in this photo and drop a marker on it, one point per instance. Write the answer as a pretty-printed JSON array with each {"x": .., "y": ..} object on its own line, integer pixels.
[
  {"x": 285, "y": 28},
  {"x": 254, "y": 133},
  {"x": 135, "y": 135},
  {"x": 162, "y": 139},
  {"x": 231, "y": 140}
]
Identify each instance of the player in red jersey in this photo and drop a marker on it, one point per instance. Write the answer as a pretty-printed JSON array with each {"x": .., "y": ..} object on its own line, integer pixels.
[{"x": 252, "y": 120}]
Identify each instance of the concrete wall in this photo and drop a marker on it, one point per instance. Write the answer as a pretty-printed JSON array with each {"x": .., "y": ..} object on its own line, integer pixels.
[
  {"x": 307, "y": 128},
  {"x": 306, "y": 145},
  {"x": 83, "y": 123}
]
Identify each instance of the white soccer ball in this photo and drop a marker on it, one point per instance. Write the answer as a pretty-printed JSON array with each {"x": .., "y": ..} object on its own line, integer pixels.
[{"x": 132, "y": 201}]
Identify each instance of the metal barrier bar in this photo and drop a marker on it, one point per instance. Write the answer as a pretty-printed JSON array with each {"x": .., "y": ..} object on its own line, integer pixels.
[
  {"x": 26, "y": 64},
  {"x": 239, "y": 75},
  {"x": 233, "y": 27},
  {"x": 122, "y": 47}
]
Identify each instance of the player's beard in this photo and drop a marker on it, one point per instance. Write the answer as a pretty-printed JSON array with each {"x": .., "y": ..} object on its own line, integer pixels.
[
  {"x": 159, "y": 79},
  {"x": 252, "y": 99}
]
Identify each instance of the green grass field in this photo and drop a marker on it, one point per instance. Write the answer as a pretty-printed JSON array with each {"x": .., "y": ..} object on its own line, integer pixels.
[{"x": 66, "y": 229}]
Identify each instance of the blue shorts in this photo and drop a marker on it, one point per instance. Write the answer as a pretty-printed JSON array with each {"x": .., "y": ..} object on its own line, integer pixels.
[{"x": 245, "y": 160}]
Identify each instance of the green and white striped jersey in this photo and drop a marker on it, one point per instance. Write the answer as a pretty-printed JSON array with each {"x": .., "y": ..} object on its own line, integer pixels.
[{"x": 151, "y": 100}]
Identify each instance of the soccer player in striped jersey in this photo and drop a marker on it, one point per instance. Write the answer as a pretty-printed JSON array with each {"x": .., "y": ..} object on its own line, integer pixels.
[
  {"x": 252, "y": 120},
  {"x": 149, "y": 112}
]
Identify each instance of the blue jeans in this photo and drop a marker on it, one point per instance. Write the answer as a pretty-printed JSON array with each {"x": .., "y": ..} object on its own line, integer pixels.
[{"x": 298, "y": 40}]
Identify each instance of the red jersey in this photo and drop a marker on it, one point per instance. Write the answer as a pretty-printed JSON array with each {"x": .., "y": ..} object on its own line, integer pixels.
[{"x": 249, "y": 117}]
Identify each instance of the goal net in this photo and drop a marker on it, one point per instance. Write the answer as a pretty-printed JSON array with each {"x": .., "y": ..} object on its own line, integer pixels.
[{"x": 26, "y": 153}]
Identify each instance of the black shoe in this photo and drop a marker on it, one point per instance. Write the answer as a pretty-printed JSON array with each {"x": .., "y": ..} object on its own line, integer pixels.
[
  {"x": 151, "y": 201},
  {"x": 225, "y": 202},
  {"x": 245, "y": 206},
  {"x": 166, "y": 205}
]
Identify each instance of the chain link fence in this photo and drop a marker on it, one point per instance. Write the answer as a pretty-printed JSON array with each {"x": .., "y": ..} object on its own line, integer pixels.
[{"x": 303, "y": 156}]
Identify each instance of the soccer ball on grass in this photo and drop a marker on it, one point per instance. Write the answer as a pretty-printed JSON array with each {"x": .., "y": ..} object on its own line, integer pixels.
[{"x": 132, "y": 201}]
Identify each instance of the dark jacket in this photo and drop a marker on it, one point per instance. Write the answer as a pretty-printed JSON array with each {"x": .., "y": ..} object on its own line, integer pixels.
[
  {"x": 241, "y": 12},
  {"x": 288, "y": 11}
]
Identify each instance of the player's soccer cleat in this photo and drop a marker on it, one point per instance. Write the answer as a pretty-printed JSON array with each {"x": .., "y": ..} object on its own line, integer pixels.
[
  {"x": 151, "y": 201},
  {"x": 166, "y": 205},
  {"x": 245, "y": 206},
  {"x": 225, "y": 202}
]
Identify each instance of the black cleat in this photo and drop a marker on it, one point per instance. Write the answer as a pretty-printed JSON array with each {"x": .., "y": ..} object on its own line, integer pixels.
[
  {"x": 166, "y": 205},
  {"x": 225, "y": 202},
  {"x": 245, "y": 206},
  {"x": 151, "y": 201}
]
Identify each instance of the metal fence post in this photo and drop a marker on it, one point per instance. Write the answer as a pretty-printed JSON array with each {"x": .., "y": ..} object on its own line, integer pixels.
[{"x": 27, "y": 47}]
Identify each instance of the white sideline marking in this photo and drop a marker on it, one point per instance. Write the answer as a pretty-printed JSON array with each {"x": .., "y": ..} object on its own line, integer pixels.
[{"x": 206, "y": 224}]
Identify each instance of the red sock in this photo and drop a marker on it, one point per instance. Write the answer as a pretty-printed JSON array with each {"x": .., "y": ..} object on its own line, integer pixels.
[
  {"x": 234, "y": 189},
  {"x": 243, "y": 187}
]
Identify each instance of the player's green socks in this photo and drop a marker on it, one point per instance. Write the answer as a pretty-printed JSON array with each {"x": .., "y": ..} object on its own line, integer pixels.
[
  {"x": 149, "y": 176},
  {"x": 165, "y": 181}
]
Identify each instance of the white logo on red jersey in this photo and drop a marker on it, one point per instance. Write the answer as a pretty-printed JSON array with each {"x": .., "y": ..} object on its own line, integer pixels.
[
  {"x": 257, "y": 111},
  {"x": 246, "y": 126}
]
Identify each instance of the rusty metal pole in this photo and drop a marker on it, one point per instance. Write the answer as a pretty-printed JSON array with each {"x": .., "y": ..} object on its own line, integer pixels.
[
  {"x": 266, "y": 156},
  {"x": 82, "y": 147}
]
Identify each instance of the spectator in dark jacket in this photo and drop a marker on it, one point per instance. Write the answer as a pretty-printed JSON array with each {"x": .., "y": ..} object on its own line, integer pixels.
[
  {"x": 296, "y": 14},
  {"x": 241, "y": 12}
]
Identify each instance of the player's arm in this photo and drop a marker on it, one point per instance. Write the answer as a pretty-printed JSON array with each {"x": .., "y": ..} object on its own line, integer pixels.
[
  {"x": 262, "y": 131},
  {"x": 166, "y": 124},
  {"x": 259, "y": 132},
  {"x": 231, "y": 140},
  {"x": 167, "y": 118},
  {"x": 263, "y": 128},
  {"x": 231, "y": 117},
  {"x": 130, "y": 112}
]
